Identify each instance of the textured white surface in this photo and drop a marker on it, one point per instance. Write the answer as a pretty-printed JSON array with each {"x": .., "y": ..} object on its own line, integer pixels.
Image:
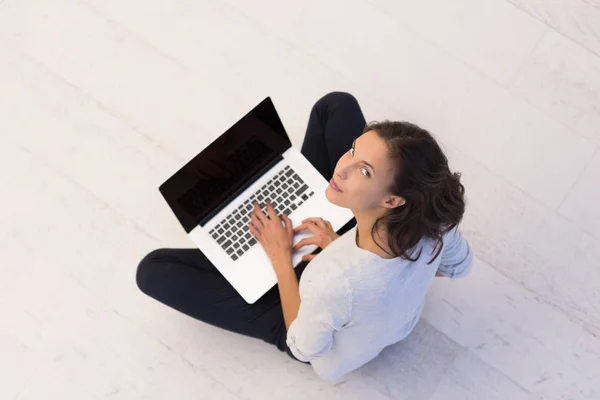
[
  {"x": 576, "y": 19},
  {"x": 563, "y": 81},
  {"x": 101, "y": 100}
]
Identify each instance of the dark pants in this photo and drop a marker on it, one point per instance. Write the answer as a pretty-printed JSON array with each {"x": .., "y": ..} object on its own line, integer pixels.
[{"x": 187, "y": 281}]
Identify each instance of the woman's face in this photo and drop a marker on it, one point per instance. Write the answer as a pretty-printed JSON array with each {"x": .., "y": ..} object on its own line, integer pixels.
[{"x": 362, "y": 174}]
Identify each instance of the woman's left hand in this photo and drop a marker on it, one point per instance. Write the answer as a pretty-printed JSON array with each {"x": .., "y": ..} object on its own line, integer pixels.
[{"x": 275, "y": 238}]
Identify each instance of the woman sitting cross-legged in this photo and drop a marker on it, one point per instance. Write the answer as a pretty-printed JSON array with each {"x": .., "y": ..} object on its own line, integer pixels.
[{"x": 366, "y": 287}]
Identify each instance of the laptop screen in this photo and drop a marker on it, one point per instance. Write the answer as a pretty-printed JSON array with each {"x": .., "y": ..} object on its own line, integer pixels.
[{"x": 227, "y": 166}]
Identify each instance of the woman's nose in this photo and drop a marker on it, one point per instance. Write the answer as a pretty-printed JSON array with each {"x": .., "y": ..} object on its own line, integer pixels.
[{"x": 341, "y": 171}]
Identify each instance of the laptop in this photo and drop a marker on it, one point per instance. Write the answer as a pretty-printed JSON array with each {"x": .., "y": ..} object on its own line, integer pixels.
[{"x": 212, "y": 197}]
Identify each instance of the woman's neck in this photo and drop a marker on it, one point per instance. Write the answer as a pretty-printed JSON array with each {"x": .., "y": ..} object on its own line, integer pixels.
[{"x": 365, "y": 241}]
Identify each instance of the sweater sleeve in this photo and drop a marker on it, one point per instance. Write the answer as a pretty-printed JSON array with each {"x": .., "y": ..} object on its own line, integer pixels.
[
  {"x": 325, "y": 306},
  {"x": 456, "y": 257}
]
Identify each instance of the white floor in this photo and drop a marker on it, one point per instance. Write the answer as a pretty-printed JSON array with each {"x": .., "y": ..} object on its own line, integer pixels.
[{"x": 101, "y": 100}]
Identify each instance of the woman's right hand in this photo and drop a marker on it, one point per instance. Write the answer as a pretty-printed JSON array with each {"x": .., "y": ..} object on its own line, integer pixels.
[{"x": 324, "y": 235}]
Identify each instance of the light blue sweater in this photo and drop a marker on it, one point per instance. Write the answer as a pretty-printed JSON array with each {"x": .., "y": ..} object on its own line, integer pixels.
[{"x": 355, "y": 303}]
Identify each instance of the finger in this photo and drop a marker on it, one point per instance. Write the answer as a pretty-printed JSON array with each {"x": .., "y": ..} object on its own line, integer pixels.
[
  {"x": 310, "y": 226},
  {"x": 271, "y": 211},
  {"x": 308, "y": 257},
  {"x": 299, "y": 228},
  {"x": 253, "y": 230},
  {"x": 306, "y": 241},
  {"x": 288, "y": 224},
  {"x": 317, "y": 221},
  {"x": 257, "y": 212},
  {"x": 255, "y": 219}
]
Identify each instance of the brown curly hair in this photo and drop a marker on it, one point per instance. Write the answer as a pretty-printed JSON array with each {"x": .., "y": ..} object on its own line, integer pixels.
[{"x": 435, "y": 201}]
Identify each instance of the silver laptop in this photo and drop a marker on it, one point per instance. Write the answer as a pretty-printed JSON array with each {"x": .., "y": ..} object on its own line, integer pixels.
[{"x": 213, "y": 194}]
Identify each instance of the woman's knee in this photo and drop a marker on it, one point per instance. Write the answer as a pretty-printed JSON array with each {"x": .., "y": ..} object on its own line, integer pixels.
[
  {"x": 336, "y": 99},
  {"x": 147, "y": 267}
]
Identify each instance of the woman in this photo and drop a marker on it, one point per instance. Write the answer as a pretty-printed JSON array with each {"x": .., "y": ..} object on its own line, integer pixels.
[{"x": 364, "y": 290}]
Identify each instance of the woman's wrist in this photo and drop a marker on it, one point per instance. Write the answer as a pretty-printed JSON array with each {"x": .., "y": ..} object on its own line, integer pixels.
[{"x": 282, "y": 264}]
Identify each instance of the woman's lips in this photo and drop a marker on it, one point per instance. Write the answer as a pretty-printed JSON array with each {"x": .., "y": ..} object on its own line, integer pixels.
[{"x": 334, "y": 186}]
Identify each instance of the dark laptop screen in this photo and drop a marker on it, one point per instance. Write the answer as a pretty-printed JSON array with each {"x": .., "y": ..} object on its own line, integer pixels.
[{"x": 227, "y": 166}]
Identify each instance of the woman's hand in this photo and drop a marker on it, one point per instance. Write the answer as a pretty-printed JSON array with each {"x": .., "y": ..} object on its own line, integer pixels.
[
  {"x": 324, "y": 235},
  {"x": 275, "y": 239}
]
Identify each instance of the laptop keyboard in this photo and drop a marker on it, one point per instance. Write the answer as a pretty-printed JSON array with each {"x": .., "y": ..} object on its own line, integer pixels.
[{"x": 286, "y": 191}]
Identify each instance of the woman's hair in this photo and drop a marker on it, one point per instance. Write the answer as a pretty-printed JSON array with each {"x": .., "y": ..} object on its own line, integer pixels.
[{"x": 435, "y": 201}]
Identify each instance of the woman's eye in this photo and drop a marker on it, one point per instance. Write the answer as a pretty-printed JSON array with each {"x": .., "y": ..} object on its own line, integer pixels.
[
  {"x": 352, "y": 151},
  {"x": 366, "y": 172}
]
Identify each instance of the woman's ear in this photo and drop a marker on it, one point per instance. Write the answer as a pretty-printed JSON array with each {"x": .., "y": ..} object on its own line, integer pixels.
[{"x": 395, "y": 201}]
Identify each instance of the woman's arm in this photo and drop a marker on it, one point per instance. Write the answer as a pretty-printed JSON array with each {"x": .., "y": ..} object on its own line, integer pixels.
[
  {"x": 456, "y": 257},
  {"x": 326, "y": 306},
  {"x": 287, "y": 282}
]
